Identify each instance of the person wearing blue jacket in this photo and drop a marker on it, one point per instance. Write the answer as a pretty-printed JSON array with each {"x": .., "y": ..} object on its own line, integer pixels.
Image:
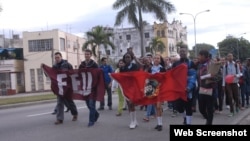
[{"x": 185, "y": 107}]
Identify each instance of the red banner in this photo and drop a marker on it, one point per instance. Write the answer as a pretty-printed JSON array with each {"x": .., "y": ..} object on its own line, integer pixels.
[
  {"x": 143, "y": 88},
  {"x": 78, "y": 84}
]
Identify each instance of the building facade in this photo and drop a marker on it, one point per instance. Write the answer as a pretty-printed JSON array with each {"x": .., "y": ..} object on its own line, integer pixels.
[
  {"x": 130, "y": 37},
  {"x": 11, "y": 65},
  {"x": 39, "y": 47},
  {"x": 169, "y": 33},
  {"x": 176, "y": 34}
]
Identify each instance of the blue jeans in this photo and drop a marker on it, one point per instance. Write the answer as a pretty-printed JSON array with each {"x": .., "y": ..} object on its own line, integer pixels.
[
  {"x": 150, "y": 110},
  {"x": 91, "y": 104}
]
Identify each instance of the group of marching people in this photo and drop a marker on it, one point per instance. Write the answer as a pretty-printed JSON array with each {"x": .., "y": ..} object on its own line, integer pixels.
[
  {"x": 210, "y": 91},
  {"x": 155, "y": 64},
  {"x": 207, "y": 89}
]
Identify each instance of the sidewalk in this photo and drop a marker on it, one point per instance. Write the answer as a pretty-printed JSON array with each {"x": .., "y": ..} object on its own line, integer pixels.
[{"x": 242, "y": 118}]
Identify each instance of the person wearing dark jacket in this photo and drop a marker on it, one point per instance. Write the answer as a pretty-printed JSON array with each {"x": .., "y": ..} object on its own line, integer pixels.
[
  {"x": 61, "y": 101},
  {"x": 90, "y": 101},
  {"x": 185, "y": 107},
  {"x": 206, "y": 83}
]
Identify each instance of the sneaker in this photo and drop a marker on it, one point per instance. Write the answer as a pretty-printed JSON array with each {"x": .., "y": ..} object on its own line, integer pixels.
[
  {"x": 153, "y": 116},
  {"x": 124, "y": 109},
  {"x": 228, "y": 107},
  {"x": 132, "y": 125},
  {"x": 216, "y": 111},
  {"x": 157, "y": 127},
  {"x": 90, "y": 124},
  {"x": 96, "y": 117},
  {"x": 231, "y": 114},
  {"x": 53, "y": 113},
  {"x": 237, "y": 110},
  {"x": 74, "y": 118},
  {"x": 59, "y": 122},
  {"x": 110, "y": 108},
  {"x": 118, "y": 114},
  {"x": 174, "y": 114},
  {"x": 100, "y": 108},
  {"x": 146, "y": 119}
]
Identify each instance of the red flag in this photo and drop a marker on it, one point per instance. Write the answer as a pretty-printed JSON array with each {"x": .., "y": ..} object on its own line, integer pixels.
[
  {"x": 78, "y": 84},
  {"x": 143, "y": 88}
]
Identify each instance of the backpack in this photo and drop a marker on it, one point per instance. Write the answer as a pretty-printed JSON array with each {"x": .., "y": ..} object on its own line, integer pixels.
[{"x": 235, "y": 65}]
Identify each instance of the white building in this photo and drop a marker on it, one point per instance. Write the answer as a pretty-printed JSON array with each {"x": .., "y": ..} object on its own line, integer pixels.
[
  {"x": 39, "y": 47},
  {"x": 170, "y": 33},
  {"x": 130, "y": 37}
]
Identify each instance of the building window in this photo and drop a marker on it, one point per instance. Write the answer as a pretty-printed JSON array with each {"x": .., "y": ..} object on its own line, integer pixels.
[
  {"x": 40, "y": 79},
  {"x": 120, "y": 37},
  {"x": 128, "y": 37},
  {"x": 162, "y": 33},
  {"x": 108, "y": 52},
  {"x": 158, "y": 33},
  {"x": 5, "y": 80},
  {"x": 40, "y": 45},
  {"x": 68, "y": 43},
  {"x": 20, "y": 79},
  {"x": 48, "y": 80},
  {"x": 62, "y": 44},
  {"x": 32, "y": 80},
  {"x": 146, "y": 35}
]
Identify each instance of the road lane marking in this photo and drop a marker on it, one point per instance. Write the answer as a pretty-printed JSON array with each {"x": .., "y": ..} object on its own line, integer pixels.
[{"x": 40, "y": 114}]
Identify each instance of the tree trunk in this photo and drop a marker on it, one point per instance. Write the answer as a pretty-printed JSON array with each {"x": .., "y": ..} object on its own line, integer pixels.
[{"x": 141, "y": 31}]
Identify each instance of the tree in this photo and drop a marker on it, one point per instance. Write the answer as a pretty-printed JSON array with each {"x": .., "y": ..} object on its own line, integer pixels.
[
  {"x": 133, "y": 9},
  {"x": 96, "y": 38},
  {"x": 156, "y": 45},
  {"x": 200, "y": 47},
  {"x": 239, "y": 47}
]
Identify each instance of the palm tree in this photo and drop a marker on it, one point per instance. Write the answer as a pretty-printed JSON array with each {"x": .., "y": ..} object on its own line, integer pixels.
[
  {"x": 96, "y": 38},
  {"x": 133, "y": 9},
  {"x": 156, "y": 45}
]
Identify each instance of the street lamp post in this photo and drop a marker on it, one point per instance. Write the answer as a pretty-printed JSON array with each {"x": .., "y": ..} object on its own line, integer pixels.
[
  {"x": 194, "y": 18},
  {"x": 238, "y": 48}
]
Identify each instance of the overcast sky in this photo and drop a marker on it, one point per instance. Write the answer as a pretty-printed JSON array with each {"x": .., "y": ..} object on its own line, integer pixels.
[{"x": 78, "y": 16}]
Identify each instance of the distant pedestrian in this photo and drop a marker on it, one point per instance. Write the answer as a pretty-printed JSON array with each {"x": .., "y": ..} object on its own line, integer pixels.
[
  {"x": 108, "y": 83},
  {"x": 117, "y": 87}
]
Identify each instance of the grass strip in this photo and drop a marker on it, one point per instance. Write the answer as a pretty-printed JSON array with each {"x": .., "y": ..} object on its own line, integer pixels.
[{"x": 24, "y": 99}]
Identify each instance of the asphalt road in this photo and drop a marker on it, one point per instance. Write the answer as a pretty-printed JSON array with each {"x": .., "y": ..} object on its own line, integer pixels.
[{"x": 34, "y": 122}]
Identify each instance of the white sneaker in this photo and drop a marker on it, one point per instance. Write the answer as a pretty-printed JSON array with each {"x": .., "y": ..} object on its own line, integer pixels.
[
  {"x": 228, "y": 107},
  {"x": 132, "y": 125}
]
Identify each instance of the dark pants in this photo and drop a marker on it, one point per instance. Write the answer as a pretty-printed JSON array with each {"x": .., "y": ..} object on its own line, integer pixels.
[
  {"x": 61, "y": 101},
  {"x": 220, "y": 97},
  {"x": 233, "y": 96},
  {"x": 195, "y": 97},
  {"x": 244, "y": 95},
  {"x": 108, "y": 89},
  {"x": 206, "y": 107},
  {"x": 184, "y": 106},
  {"x": 70, "y": 104},
  {"x": 93, "y": 114}
]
